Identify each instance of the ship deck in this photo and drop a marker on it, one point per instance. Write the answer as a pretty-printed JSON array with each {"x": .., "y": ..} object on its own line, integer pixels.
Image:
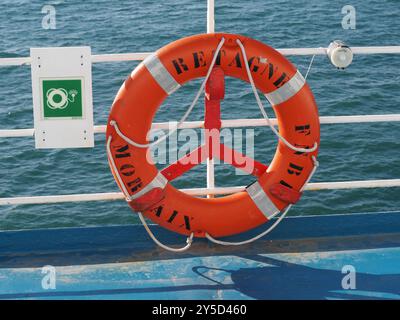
[{"x": 302, "y": 259}]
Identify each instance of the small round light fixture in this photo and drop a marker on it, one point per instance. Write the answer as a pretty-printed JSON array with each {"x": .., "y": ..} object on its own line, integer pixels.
[{"x": 340, "y": 54}]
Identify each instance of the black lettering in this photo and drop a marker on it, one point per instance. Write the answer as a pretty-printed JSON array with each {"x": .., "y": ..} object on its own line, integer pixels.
[
  {"x": 172, "y": 217},
  {"x": 159, "y": 211},
  {"x": 121, "y": 152},
  {"x": 270, "y": 70},
  {"x": 218, "y": 60},
  {"x": 284, "y": 183},
  {"x": 199, "y": 59},
  {"x": 179, "y": 65},
  {"x": 127, "y": 170},
  {"x": 295, "y": 169},
  {"x": 187, "y": 222},
  {"x": 254, "y": 63},
  {"x": 303, "y": 129},
  {"x": 280, "y": 82},
  {"x": 299, "y": 153},
  {"x": 135, "y": 184},
  {"x": 236, "y": 61}
]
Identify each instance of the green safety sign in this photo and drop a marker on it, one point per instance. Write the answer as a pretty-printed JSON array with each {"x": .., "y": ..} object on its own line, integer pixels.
[{"x": 62, "y": 98}]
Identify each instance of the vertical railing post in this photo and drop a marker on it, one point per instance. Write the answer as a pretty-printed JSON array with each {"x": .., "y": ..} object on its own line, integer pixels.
[
  {"x": 210, "y": 29},
  {"x": 210, "y": 16}
]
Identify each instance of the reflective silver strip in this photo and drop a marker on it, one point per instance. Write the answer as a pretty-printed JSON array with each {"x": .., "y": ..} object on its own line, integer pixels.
[
  {"x": 159, "y": 181},
  {"x": 288, "y": 90},
  {"x": 261, "y": 200},
  {"x": 161, "y": 74}
]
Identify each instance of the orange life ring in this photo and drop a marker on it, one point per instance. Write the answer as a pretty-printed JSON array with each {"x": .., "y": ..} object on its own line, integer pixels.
[{"x": 165, "y": 71}]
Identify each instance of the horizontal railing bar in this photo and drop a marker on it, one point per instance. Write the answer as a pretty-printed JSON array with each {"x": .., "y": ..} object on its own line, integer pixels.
[
  {"x": 356, "y": 50},
  {"x": 360, "y": 184},
  {"x": 376, "y": 50},
  {"x": 84, "y": 197},
  {"x": 15, "y": 61},
  {"x": 138, "y": 56},
  {"x": 109, "y": 196},
  {"x": 234, "y": 123},
  {"x": 17, "y": 133}
]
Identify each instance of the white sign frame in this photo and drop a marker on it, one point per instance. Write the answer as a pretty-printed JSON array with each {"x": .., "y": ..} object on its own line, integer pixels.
[{"x": 62, "y": 63}]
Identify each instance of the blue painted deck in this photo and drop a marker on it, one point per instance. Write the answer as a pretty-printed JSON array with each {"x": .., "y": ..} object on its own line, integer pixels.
[{"x": 301, "y": 259}]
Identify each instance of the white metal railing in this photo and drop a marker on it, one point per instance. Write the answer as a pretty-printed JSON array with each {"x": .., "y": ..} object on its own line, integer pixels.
[
  {"x": 109, "y": 196},
  {"x": 138, "y": 56},
  {"x": 233, "y": 123},
  {"x": 211, "y": 189}
]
